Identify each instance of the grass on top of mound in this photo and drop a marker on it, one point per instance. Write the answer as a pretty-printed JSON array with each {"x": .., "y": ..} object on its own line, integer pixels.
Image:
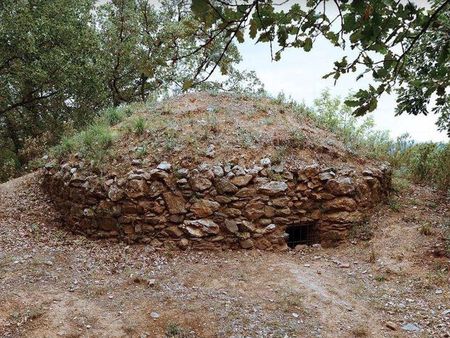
[
  {"x": 95, "y": 142},
  {"x": 274, "y": 127},
  {"x": 152, "y": 129}
]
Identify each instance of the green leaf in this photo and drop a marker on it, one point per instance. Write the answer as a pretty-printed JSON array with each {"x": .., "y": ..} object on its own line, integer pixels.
[
  {"x": 307, "y": 44},
  {"x": 253, "y": 28},
  {"x": 187, "y": 84},
  {"x": 372, "y": 104},
  {"x": 240, "y": 36},
  {"x": 351, "y": 103},
  {"x": 355, "y": 37},
  {"x": 199, "y": 7}
]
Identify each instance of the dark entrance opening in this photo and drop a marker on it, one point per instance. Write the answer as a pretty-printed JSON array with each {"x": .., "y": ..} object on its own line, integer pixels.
[{"x": 301, "y": 234}]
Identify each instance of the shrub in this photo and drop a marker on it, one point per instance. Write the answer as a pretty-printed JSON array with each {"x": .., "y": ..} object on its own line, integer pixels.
[
  {"x": 429, "y": 162},
  {"x": 394, "y": 204},
  {"x": 419, "y": 162},
  {"x": 114, "y": 115},
  {"x": 9, "y": 164},
  {"x": 399, "y": 181},
  {"x": 425, "y": 229},
  {"x": 296, "y": 138},
  {"x": 139, "y": 125},
  {"x": 95, "y": 140}
]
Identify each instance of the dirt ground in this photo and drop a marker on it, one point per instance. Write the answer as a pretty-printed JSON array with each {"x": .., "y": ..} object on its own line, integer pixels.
[{"x": 57, "y": 284}]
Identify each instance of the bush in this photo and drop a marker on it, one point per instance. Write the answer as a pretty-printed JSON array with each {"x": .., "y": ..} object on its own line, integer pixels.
[
  {"x": 430, "y": 162},
  {"x": 419, "y": 162},
  {"x": 139, "y": 125},
  {"x": 9, "y": 164},
  {"x": 113, "y": 115}
]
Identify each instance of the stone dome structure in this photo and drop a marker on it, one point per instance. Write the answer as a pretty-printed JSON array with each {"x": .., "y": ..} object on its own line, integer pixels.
[{"x": 226, "y": 197}]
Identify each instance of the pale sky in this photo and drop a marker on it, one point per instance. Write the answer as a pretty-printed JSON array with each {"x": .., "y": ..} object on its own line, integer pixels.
[{"x": 299, "y": 74}]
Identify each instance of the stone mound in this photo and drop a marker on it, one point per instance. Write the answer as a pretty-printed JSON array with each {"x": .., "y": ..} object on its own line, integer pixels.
[{"x": 314, "y": 194}]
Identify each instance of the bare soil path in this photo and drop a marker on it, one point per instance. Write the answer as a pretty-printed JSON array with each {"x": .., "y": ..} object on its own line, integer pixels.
[{"x": 57, "y": 284}]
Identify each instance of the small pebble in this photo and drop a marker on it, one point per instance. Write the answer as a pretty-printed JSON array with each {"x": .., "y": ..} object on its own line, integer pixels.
[{"x": 391, "y": 326}]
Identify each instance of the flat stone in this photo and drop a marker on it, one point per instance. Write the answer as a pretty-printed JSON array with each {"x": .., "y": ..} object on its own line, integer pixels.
[
  {"x": 206, "y": 225},
  {"x": 231, "y": 226},
  {"x": 273, "y": 187},
  {"x": 310, "y": 171},
  {"x": 246, "y": 226},
  {"x": 238, "y": 170},
  {"x": 246, "y": 244},
  {"x": 283, "y": 212},
  {"x": 254, "y": 210},
  {"x": 136, "y": 188},
  {"x": 391, "y": 326},
  {"x": 342, "y": 217},
  {"x": 341, "y": 186},
  {"x": 246, "y": 192},
  {"x": 194, "y": 232},
  {"x": 223, "y": 185},
  {"x": 232, "y": 212},
  {"x": 175, "y": 203},
  {"x": 183, "y": 172},
  {"x": 174, "y": 231},
  {"x": 204, "y": 208},
  {"x": 115, "y": 193},
  {"x": 281, "y": 201},
  {"x": 340, "y": 203},
  {"x": 176, "y": 218},
  {"x": 164, "y": 166},
  {"x": 265, "y": 162},
  {"x": 223, "y": 199},
  {"x": 217, "y": 170},
  {"x": 200, "y": 183},
  {"x": 326, "y": 176},
  {"x": 410, "y": 327},
  {"x": 270, "y": 227},
  {"x": 241, "y": 181},
  {"x": 254, "y": 170}
]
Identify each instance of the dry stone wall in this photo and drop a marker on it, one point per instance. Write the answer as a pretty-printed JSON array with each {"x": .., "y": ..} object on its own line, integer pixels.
[{"x": 216, "y": 206}]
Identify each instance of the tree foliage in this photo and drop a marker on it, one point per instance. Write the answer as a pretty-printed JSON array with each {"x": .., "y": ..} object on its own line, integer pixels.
[
  {"x": 147, "y": 49},
  {"x": 43, "y": 47},
  {"x": 61, "y": 61},
  {"x": 402, "y": 46}
]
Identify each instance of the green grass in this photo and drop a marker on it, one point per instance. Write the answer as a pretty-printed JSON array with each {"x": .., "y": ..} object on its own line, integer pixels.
[
  {"x": 394, "y": 204},
  {"x": 94, "y": 143},
  {"x": 139, "y": 125},
  {"x": 114, "y": 115}
]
